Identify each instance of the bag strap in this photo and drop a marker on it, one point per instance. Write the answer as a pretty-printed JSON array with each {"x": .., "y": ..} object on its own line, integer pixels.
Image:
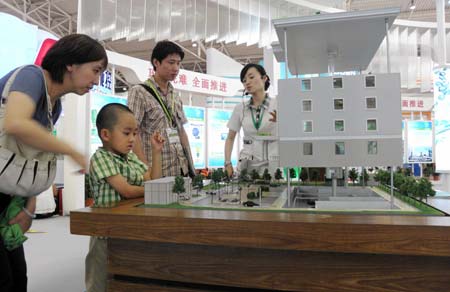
[
  {"x": 151, "y": 91},
  {"x": 163, "y": 106},
  {"x": 9, "y": 83}
]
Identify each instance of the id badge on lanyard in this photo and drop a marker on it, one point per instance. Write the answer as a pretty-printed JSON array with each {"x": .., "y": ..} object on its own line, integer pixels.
[{"x": 172, "y": 134}]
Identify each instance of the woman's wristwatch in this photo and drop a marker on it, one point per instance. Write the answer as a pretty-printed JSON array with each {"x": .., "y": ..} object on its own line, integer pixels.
[{"x": 227, "y": 163}]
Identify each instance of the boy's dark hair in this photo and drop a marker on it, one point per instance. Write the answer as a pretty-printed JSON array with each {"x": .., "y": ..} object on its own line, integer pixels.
[
  {"x": 261, "y": 71},
  {"x": 164, "y": 49},
  {"x": 72, "y": 49},
  {"x": 108, "y": 115}
]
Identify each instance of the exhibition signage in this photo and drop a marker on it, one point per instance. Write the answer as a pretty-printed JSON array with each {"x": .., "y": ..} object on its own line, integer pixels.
[
  {"x": 442, "y": 118},
  {"x": 217, "y": 134},
  {"x": 417, "y": 104},
  {"x": 106, "y": 83},
  {"x": 196, "y": 132},
  {"x": 420, "y": 142},
  {"x": 206, "y": 84}
]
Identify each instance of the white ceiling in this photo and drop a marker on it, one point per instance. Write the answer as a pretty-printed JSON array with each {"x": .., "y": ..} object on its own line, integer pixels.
[{"x": 60, "y": 16}]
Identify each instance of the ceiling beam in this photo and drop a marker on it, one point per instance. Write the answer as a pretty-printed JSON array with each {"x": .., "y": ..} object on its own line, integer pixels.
[
  {"x": 28, "y": 18},
  {"x": 190, "y": 52}
]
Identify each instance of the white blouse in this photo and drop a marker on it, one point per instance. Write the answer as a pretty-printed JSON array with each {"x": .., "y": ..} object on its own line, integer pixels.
[{"x": 242, "y": 118}]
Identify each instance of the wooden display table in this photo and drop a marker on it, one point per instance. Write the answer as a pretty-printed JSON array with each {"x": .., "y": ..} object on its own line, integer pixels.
[{"x": 196, "y": 250}]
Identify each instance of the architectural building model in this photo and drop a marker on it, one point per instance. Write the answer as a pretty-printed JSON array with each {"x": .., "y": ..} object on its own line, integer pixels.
[
  {"x": 159, "y": 191},
  {"x": 340, "y": 121}
]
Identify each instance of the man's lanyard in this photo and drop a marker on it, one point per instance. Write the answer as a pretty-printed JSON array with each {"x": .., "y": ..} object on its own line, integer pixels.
[
  {"x": 257, "y": 124},
  {"x": 169, "y": 114}
]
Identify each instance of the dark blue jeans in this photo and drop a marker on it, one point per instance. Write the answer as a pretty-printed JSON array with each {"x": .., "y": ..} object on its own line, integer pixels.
[{"x": 13, "y": 267}]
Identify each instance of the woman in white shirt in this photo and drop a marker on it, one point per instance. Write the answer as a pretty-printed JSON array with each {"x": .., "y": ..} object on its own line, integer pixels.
[{"x": 257, "y": 117}]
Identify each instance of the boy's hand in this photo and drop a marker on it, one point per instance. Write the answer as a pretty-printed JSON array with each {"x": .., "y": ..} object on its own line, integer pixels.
[{"x": 157, "y": 141}]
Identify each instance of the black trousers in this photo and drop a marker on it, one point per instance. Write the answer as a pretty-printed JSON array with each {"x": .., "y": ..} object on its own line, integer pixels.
[{"x": 13, "y": 267}]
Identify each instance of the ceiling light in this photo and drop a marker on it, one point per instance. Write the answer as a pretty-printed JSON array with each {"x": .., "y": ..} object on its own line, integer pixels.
[
  {"x": 412, "y": 6},
  {"x": 194, "y": 45}
]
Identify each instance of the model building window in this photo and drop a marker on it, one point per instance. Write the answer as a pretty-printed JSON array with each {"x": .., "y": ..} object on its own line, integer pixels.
[
  {"x": 371, "y": 102},
  {"x": 338, "y": 104},
  {"x": 307, "y": 148},
  {"x": 372, "y": 148},
  {"x": 306, "y": 84},
  {"x": 337, "y": 83},
  {"x": 371, "y": 125},
  {"x": 307, "y": 126},
  {"x": 339, "y": 148},
  {"x": 339, "y": 125},
  {"x": 370, "y": 81},
  {"x": 307, "y": 105}
]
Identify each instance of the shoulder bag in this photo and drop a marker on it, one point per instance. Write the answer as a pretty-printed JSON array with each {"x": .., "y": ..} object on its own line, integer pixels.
[{"x": 24, "y": 170}]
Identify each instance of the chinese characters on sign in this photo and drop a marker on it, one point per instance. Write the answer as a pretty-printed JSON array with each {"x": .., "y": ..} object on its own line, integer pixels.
[
  {"x": 417, "y": 103},
  {"x": 105, "y": 84},
  {"x": 204, "y": 83}
]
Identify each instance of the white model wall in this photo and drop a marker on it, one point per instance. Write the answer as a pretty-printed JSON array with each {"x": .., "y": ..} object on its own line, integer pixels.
[{"x": 355, "y": 115}]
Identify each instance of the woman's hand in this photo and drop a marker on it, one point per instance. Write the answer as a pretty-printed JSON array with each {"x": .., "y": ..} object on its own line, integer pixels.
[
  {"x": 229, "y": 169},
  {"x": 157, "y": 141},
  {"x": 23, "y": 220},
  {"x": 274, "y": 116},
  {"x": 79, "y": 159}
]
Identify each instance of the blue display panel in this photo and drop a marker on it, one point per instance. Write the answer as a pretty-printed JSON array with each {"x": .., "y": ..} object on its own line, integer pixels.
[
  {"x": 217, "y": 134},
  {"x": 196, "y": 132},
  {"x": 97, "y": 102},
  {"x": 442, "y": 118},
  {"x": 420, "y": 141}
]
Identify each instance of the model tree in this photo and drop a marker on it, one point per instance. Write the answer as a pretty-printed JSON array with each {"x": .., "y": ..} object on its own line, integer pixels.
[
  {"x": 255, "y": 175},
  {"x": 291, "y": 172},
  {"x": 266, "y": 176},
  {"x": 407, "y": 188},
  {"x": 304, "y": 175},
  {"x": 197, "y": 183},
  {"x": 278, "y": 175},
  {"x": 226, "y": 179},
  {"x": 216, "y": 177},
  {"x": 424, "y": 189},
  {"x": 178, "y": 186},
  {"x": 353, "y": 175},
  {"x": 364, "y": 177},
  {"x": 243, "y": 175}
]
